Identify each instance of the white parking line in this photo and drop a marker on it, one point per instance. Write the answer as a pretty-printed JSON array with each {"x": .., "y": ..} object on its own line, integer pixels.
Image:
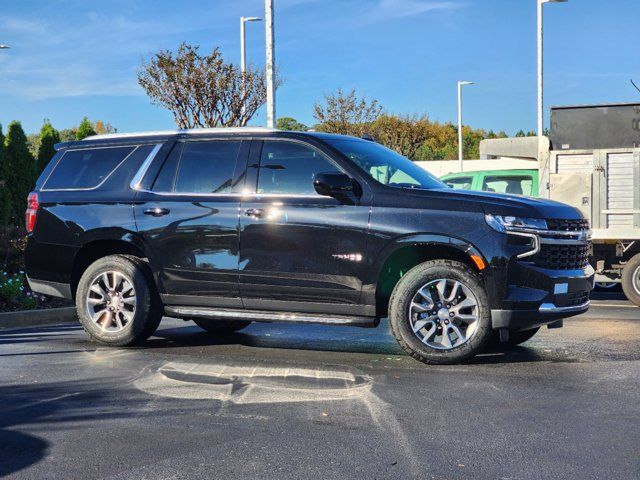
[{"x": 616, "y": 305}]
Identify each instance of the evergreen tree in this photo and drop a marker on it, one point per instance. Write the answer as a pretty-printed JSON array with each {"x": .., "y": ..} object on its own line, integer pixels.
[
  {"x": 85, "y": 129},
  {"x": 49, "y": 136},
  {"x": 21, "y": 168},
  {"x": 6, "y": 208}
]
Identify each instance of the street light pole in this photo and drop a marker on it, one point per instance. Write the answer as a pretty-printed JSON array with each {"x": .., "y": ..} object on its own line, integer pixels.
[
  {"x": 270, "y": 54},
  {"x": 540, "y": 125},
  {"x": 243, "y": 56},
  {"x": 460, "y": 85}
]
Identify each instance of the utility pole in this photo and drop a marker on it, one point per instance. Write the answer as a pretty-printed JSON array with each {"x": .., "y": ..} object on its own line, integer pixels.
[
  {"x": 460, "y": 85},
  {"x": 543, "y": 157},
  {"x": 270, "y": 46}
]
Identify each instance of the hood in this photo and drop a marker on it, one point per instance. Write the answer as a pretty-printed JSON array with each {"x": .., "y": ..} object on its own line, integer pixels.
[{"x": 516, "y": 205}]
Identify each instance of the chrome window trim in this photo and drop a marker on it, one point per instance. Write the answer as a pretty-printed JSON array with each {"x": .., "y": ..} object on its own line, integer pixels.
[
  {"x": 237, "y": 194},
  {"x": 77, "y": 189},
  {"x": 142, "y": 171}
]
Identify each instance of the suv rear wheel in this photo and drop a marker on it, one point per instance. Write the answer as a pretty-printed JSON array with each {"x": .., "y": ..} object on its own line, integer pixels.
[
  {"x": 439, "y": 312},
  {"x": 221, "y": 327},
  {"x": 116, "y": 301}
]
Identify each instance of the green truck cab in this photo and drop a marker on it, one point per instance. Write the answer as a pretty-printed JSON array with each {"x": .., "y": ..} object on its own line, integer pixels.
[{"x": 517, "y": 182}]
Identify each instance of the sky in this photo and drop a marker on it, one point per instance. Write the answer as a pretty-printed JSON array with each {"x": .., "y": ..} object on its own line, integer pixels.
[{"x": 75, "y": 58}]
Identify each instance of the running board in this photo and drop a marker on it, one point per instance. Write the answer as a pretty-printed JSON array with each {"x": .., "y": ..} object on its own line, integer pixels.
[{"x": 267, "y": 316}]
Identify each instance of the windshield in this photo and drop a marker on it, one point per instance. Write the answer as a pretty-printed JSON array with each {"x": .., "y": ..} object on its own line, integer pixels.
[{"x": 385, "y": 165}]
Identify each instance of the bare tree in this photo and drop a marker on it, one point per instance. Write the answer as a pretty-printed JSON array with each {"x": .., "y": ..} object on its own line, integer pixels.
[
  {"x": 202, "y": 90},
  {"x": 346, "y": 113}
]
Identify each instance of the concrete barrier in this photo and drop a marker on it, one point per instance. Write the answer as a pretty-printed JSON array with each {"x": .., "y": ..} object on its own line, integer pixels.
[{"x": 37, "y": 318}]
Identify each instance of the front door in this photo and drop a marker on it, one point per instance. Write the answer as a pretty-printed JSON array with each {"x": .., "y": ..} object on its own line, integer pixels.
[
  {"x": 299, "y": 251},
  {"x": 190, "y": 221}
]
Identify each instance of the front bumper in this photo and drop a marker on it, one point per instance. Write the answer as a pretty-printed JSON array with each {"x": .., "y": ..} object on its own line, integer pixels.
[{"x": 547, "y": 313}]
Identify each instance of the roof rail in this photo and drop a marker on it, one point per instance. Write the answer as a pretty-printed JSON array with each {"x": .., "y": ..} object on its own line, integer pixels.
[{"x": 188, "y": 131}]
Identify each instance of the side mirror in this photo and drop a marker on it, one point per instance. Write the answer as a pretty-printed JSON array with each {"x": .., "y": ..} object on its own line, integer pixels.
[{"x": 331, "y": 184}]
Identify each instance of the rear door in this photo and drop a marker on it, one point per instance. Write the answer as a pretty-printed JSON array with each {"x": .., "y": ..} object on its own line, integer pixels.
[
  {"x": 299, "y": 250},
  {"x": 189, "y": 218}
]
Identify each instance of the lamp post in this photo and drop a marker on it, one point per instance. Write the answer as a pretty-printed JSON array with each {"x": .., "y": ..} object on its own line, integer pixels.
[
  {"x": 541, "y": 155},
  {"x": 243, "y": 55},
  {"x": 270, "y": 54},
  {"x": 460, "y": 85}
]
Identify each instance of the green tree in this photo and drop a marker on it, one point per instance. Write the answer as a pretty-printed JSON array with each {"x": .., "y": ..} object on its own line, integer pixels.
[
  {"x": 85, "y": 129},
  {"x": 33, "y": 141},
  {"x": 21, "y": 168},
  {"x": 520, "y": 133},
  {"x": 6, "y": 205},
  {"x": 68, "y": 134},
  {"x": 291, "y": 124},
  {"x": 49, "y": 136}
]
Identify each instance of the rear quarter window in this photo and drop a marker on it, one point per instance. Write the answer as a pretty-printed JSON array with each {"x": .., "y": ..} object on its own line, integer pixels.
[{"x": 86, "y": 168}]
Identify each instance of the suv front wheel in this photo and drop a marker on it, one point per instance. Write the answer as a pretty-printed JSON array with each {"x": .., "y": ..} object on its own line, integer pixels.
[
  {"x": 116, "y": 301},
  {"x": 439, "y": 312}
]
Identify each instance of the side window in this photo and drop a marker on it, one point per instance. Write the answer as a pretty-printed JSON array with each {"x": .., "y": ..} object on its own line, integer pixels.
[
  {"x": 207, "y": 167},
  {"x": 289, "y": 168},
  {"x": 88, "y": 168},
  {"x": 516, "y": 185},
  {"x": 459, "y": 183}
]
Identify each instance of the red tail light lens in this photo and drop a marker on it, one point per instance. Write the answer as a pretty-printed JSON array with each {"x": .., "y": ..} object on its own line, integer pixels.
[{"x": 32, "y": 211}]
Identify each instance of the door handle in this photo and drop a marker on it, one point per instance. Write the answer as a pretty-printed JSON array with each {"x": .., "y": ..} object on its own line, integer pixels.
[
  {"x": 254, "y": 212},
  {"x": 156, "y": 212}
]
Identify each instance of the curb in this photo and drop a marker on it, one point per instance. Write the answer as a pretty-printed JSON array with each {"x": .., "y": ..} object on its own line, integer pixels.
[{"x": 37, "y": 318}]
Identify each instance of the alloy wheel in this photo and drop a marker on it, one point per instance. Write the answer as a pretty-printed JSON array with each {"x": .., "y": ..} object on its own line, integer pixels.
[
  {"x": 111, "y": 301},
  {"x": 444, "y": 314}
]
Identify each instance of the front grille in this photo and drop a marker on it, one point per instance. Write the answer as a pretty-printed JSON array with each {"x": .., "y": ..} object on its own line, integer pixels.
[
  {"x": 562, "y": 257},
  {"x": 561, "y": 225}
]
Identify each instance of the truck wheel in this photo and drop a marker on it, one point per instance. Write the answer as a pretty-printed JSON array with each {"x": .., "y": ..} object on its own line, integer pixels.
[
  {"x": 221, "y": 327},
  {"x": 117, "y": 302},
  {"x": 631, "y": 279},
  {"x": 439, "y": 312}
]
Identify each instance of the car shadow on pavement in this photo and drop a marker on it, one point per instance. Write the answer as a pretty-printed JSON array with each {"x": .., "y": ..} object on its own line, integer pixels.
[{"x": 327, "y": 339}]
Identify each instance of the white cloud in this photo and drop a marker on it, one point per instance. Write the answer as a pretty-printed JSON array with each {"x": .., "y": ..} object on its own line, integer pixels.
[{"x": 389, "y": 9}]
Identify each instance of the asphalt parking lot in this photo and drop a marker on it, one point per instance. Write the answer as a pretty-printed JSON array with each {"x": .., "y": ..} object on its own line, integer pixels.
[{"x": 290, "y": 401}]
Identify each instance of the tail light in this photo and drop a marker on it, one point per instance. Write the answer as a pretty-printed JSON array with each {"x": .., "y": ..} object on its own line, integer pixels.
[{"x": 32, "y": 211}]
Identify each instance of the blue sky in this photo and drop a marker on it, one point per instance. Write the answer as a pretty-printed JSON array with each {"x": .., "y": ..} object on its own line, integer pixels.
[{"x": 73, "y": 58}]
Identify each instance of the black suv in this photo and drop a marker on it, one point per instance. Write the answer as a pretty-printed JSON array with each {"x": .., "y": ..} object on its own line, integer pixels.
[{"x": 229, "y": 226}]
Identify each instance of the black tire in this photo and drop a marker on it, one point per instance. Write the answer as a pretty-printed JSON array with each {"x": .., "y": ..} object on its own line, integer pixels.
[
  {"x": 402, "y": 297},
  {"x": 515, "y": 339},
  {"x": 148, "y": 308},
  {"x": 221, "y": 327},
  {"x": 631, "y": 279}
]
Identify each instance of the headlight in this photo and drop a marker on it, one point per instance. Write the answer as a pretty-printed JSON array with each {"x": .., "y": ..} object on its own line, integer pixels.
[{"x": 504, "y": 223}]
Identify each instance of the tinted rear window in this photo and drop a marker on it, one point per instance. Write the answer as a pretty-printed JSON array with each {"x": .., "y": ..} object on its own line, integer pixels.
[
  {"x": 85, "y": 168},
  {"x": 207, "y": 167}
]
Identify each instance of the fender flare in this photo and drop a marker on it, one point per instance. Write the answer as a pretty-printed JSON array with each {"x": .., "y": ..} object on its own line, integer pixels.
[{"x": 429, "y": 239}]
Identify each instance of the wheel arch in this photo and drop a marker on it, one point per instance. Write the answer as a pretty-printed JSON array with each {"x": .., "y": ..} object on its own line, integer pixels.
[
  {"x": 97, "y": 247},
  {"x": 407, "y": 252}
]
